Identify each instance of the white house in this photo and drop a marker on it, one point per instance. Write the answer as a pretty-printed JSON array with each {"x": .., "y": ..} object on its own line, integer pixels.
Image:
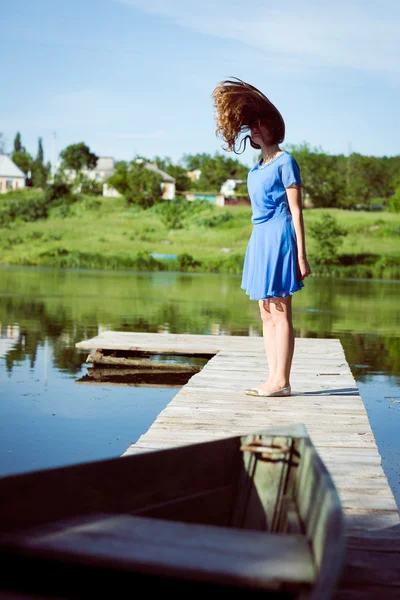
[
  {"x": 167, "y": 184},
  {"x": 103, "y": 170},
  {"x": 229, "y": 186},
  {"x": 11, "y": 176}
]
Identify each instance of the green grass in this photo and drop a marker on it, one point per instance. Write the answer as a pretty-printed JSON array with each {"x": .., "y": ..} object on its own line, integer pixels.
[{"x": 97, "y": 232}]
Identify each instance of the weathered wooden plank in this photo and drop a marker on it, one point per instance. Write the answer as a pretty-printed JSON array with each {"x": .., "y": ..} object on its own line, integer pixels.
[{"x": 325, "y": 398}]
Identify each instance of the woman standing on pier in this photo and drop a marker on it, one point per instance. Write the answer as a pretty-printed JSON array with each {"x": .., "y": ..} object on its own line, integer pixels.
[{"x": 275, "y": 262}]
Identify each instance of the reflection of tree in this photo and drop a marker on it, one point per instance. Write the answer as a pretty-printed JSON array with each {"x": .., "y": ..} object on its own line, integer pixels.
[
  {"x": 66, "y": 358},
  {"x": 368, "y": 353},
  {"x": 67, "y": 307},
  {"x": 392, "y": 354},
  {"x": 37, "y": 324},
  {"x": 319, "y": 319}
]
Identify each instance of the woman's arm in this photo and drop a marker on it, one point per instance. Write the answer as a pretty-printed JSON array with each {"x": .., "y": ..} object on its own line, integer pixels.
[{"x": 295, "y": 204}]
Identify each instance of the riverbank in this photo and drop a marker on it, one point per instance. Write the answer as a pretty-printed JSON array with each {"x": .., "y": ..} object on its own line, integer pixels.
[{"x": 106, "y": 233}]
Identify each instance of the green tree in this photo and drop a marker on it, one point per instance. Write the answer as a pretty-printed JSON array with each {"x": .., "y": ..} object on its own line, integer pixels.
[
  {"x": 18, "y": 143},
  {"x": 394, "y": 202},
  {"x": 138, "y": 184},
  {"x": 367, "y": 179},
  {"x": 2, "y": 144},
  {"x": 20, "y": 156},
  {"x": 40, "y": 174},
  {"x": 323, "y": 175},
  {"x": 144, "y": 184},
  {"x": 40, "y": 171},
  {"x": 119, "y": 179},
  {"x": 391, "y": 167},
  {"x": 215, "y": 170},
  {"x": 77, "y": 157},
  {"x": 40, "y": 152},
  {"x": 329, "y": 236},
  {"x": 178, "y": 172},
  {"x": 23, "y": 160}
]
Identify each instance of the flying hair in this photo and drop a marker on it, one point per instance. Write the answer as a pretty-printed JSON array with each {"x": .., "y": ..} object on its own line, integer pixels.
[{"x": 239, "y": 105}]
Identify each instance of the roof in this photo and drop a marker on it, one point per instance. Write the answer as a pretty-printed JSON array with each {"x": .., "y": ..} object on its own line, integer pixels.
[
  {"x": 163, "y": 174},
  {"x": 105, "y": 163},
  {"x": 8, "y": 168}
]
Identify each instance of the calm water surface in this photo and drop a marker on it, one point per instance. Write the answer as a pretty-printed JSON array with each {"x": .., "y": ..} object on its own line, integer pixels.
[{"x": 52, "y": 414}]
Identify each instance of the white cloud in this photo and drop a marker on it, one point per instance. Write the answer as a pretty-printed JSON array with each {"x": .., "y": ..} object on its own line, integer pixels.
[{"x": 360, "y": 35}]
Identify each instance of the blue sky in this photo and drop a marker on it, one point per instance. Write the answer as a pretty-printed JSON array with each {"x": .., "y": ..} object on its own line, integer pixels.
[{"x": 136, "y": 76}]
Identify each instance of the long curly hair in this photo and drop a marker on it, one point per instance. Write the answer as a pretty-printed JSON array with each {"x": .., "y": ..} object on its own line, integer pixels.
[{"x": 239, "y": 105}]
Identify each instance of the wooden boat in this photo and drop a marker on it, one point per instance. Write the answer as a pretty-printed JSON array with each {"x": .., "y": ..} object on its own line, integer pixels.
[{"x": 256, "y": 513}]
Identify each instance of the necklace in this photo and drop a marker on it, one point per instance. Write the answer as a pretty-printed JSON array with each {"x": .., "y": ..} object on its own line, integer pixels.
[{"x": 264, "y": 162}]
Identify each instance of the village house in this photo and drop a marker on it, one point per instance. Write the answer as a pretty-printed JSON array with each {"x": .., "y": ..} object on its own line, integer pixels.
[
  {"x": 228, "y": 188},
  {"x": 194, "y": 175},
  {"x": 167, "y": 183},
  {"x": 103, "y": 170},
  {"x": 11, "y": 176}
]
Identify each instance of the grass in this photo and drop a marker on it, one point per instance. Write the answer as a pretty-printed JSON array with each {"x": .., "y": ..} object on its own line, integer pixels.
[{"x": 97, "y": 232}]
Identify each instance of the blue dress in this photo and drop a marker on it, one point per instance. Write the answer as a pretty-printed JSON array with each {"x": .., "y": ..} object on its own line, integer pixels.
[{"x": 270, "y": 267}]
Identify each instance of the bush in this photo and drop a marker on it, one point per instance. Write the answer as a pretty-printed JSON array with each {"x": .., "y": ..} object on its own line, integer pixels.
[
  {"x": 327, "y": 233},
  {"x": 186, "y": 262},
  {"x": 216, "y": 220},
  {"x": 57, "y": 193},
  {"x": 25, "y": 208},
  {"x": 173, "y": 212},
  {"x": 394, "y": 202}
]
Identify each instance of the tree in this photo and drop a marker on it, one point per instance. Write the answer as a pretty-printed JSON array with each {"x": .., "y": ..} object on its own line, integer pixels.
[
  {"x": 119, "y": 179},
  {"x": 40, "y": 174},
  {"x": 77, "y": 157},
  {"x": 137, "y": 183},
  {"x": 178, "y": 172},
  {"x": 2, "y": 144},
  {"x": 394, "y": 202},
  {"x": 322, "y": 175},
  {"x": 40, "y": 153},
  {"x": 367, "y": 178},
  {"x": 214, "y": 170},
  {"x": 328, "y": 235},
  {"x": 23, "y": 160},
  {"x": 40, "y": 171},
  {"x": 18, "y": 143}
]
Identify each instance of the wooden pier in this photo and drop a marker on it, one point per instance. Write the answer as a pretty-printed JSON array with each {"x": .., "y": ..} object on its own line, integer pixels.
[{"x": 325, "y": 398}]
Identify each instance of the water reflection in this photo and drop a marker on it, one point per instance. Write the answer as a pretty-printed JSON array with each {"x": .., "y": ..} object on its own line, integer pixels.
[{"x": 44, "y": 313}]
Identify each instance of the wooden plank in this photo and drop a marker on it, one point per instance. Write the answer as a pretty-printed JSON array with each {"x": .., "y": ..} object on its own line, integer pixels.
[{"x": 212, "y": 405}]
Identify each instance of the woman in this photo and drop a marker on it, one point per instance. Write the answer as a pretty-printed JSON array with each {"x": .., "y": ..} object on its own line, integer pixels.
[{"x": 275, "y": 263}]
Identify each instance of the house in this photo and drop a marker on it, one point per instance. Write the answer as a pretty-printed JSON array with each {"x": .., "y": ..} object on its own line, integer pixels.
[
  {"x": 167, "y": 181},
  {"x": 229, "y": 186},
  {"x": 194, "y": 175},
  {"x": 217, "y": 199},
  {"x": 11, "y": 176},
  {"x": 167, "y": 184},
  {"x": 103, "y": 170}
]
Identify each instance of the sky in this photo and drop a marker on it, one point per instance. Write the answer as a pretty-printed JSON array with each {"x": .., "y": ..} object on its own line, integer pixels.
[{"x": 131, "y": 77}]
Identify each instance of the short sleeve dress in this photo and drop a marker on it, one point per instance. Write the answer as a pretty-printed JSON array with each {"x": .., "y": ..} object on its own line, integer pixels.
[{"x": 270, "y": 267}]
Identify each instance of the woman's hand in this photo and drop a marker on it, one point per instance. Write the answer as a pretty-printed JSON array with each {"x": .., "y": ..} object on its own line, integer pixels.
[{"x": 305, "y": 269}]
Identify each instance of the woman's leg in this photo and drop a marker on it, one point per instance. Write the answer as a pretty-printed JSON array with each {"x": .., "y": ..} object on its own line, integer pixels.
[
  {"x": 280, "y": 310},
  {"x": 268, "y": 328}
]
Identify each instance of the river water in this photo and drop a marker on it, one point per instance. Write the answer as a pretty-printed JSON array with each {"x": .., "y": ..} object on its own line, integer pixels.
[{"x": 52, "y": 413}]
